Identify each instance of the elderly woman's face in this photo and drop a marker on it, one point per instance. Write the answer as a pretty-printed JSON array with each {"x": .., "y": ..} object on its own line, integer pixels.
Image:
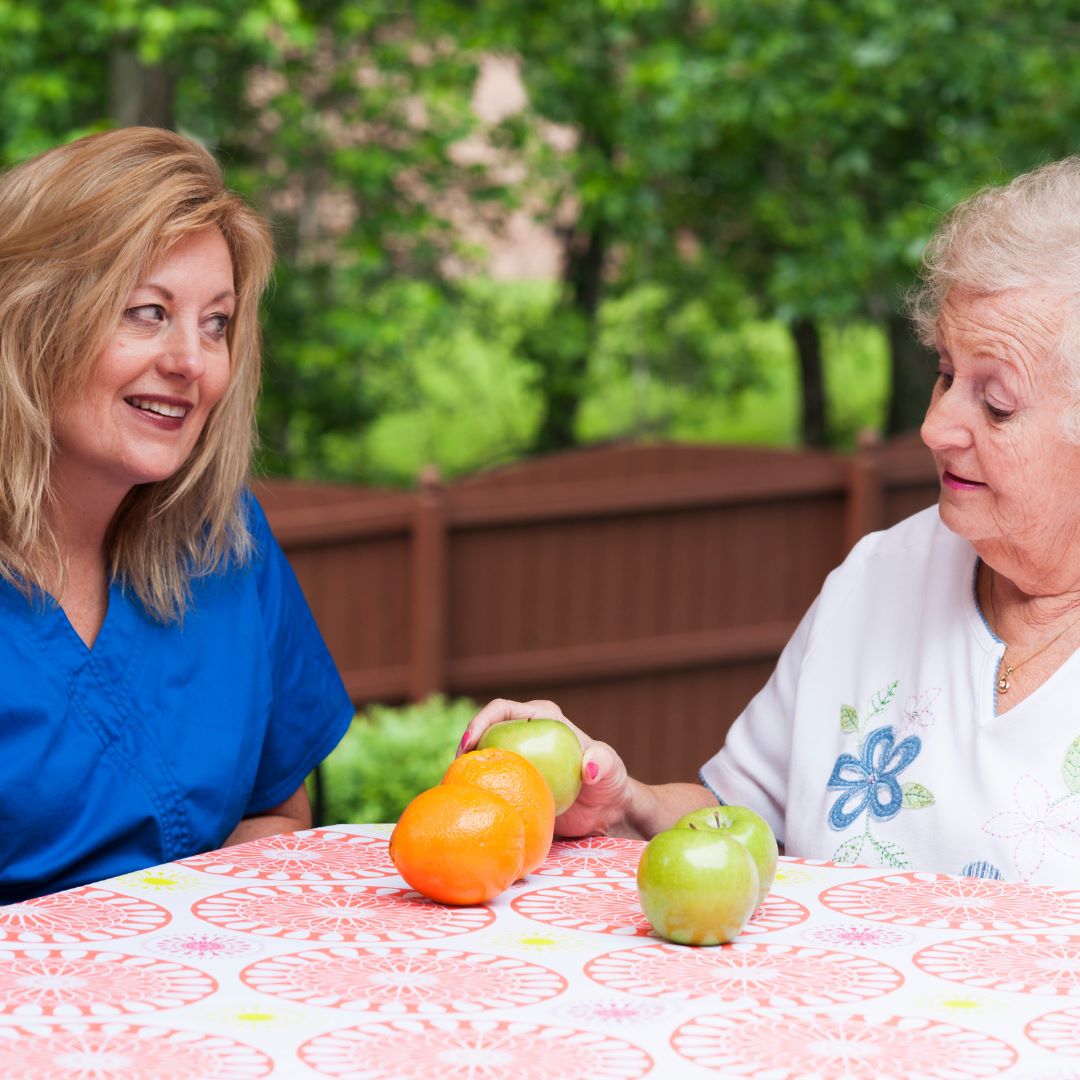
[
  {"x": 1009, "y": 477},
  {"x": 156, "y": 381}
]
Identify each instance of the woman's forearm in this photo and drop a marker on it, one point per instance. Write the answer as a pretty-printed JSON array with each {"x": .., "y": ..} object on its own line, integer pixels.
[
  {"x": 289, "y": 816},
  {"x": 255, "y": 828},
  {"x": 652, "y": 808}
]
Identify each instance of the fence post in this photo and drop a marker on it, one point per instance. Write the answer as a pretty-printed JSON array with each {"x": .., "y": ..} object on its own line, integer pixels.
[
  {"x": 427, "y": 667},
  {"x": 866, "y": 496}
]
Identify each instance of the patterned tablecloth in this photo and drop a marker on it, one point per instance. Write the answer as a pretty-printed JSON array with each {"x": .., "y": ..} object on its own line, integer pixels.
[{"x": 306, "y": 956}]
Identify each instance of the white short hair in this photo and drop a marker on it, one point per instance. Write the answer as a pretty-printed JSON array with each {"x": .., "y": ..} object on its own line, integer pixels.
[{"x": 1025, "y": 233}]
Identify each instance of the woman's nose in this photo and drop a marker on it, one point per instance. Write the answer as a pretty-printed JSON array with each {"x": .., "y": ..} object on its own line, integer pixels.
[
  {"x": 946, "y": 424},
  {"x": 182, "y": 354}
]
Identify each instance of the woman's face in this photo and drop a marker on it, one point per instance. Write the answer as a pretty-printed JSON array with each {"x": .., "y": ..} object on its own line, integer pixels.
[
  {"x": 155, "y": 382},
  {"x": 1009, "y": 477}
]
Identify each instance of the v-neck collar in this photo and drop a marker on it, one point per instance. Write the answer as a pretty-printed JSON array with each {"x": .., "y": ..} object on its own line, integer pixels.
[
  {"x": 996, "y": 648},
  {"x": 114, "y": 654}
]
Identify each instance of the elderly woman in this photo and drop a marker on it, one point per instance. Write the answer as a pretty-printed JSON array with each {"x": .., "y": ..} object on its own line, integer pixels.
[
  {"x": 924, "y": 714},
  {"x": 164, "y": 689}
]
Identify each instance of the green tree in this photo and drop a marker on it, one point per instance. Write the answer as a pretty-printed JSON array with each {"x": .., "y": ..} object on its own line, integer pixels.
[
  {"x": 718, "y": 160},
  {"x": 340, "y": 120},
  {"x": 72, "y": 66},
  {"x": 351, "y": 149},
  {"x": 804, "y": 149},
  {"x": 870, "y": 119},
  {"x": 580, "y": 64}
]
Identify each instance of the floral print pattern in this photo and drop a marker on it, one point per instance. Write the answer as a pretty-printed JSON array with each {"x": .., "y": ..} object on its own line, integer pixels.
[
  {"x": 869, "y": 782},
  {"x": 869, "y": 779},
  {"x": 1039, "y": 827},
  {"x": 1039, "y": 824}
]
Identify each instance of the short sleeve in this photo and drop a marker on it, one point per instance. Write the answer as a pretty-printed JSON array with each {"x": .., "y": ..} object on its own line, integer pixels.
[
  {"x": 751, "y": 769},
  {"x": 310, "y": 708}
]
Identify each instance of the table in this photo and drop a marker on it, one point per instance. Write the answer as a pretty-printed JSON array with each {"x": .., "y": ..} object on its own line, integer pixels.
[{"x": 307, "y": 956}]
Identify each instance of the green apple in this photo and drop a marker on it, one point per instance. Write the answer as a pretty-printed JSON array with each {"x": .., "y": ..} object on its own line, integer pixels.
[
  {"x": 697, "y": 886},
  {"x": 750, "y": 829},
  {"x": 551, "y": 746}
]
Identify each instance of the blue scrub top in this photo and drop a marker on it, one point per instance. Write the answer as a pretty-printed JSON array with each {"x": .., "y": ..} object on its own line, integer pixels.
[{"x": 154, "y": 744}]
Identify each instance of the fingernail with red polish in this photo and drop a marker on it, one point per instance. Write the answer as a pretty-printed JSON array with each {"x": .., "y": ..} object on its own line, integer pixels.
[
  {"x": 464, "y": 740},
  {"x": 591, "y": 770}
]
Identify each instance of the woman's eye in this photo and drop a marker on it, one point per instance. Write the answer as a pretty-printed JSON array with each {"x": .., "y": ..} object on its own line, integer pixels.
[
  {"x": 996, "y": 413},
  {"x": 218, "y": 324},
  {"x": 944, "y": 379},
  {"x": 147, "y": 313}
]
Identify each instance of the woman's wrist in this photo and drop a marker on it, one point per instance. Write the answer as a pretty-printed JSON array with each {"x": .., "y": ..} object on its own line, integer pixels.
[
  {"x": 651, "y": 808},
  {"x": 640, "y": 811}
]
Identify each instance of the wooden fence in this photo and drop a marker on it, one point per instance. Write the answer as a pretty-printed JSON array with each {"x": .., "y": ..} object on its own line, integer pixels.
[{"x": 647, "y": 589}]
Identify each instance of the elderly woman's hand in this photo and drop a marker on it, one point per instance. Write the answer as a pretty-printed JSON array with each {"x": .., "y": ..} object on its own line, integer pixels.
[{"x": 607, "y": 792}]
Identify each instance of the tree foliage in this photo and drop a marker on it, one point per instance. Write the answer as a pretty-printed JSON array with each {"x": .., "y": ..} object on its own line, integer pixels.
[
  {"x": 340, "y": 121},
  {"x": 704, "y": 162},
  {"x": 805, "y": 149}
]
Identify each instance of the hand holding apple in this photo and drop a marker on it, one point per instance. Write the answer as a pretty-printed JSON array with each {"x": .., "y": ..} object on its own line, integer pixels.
[
  {"x": 550, "y": 745},
  {"x": 606, "y": 793}
]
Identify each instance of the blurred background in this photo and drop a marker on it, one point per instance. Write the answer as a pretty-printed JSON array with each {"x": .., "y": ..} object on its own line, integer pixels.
[{"x": 585, "y": 357}]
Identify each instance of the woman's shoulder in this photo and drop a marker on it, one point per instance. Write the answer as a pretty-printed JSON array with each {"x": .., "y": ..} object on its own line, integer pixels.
[
  {"x": 915, "y": 538},
  {"x": 248, "y": 558},
  {"x": 257, "y": 545},
  {"x": 267, "y": 565},
  {"x": 895, "y": 570},
  {"x": 255, "y": 520}
]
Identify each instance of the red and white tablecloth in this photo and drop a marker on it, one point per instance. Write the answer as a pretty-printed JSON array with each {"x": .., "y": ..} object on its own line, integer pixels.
[{"x": 307, "y": 956}]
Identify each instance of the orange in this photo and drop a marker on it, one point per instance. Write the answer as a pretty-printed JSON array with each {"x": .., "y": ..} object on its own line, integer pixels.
[
  {"x": 459, "y": 844},
  {"x": 522, "y": 785}
]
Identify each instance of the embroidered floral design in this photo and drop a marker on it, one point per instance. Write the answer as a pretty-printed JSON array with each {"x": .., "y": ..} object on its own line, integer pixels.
[
  {"x": 918, "y": 713},
  {"x": 981, "y": 868},
  {"x": 869, "y": 782},
  {"x": 869, "y": 779},
  {"x": 1070, "y": 769},
  {"x": 1038, "y": 826}
]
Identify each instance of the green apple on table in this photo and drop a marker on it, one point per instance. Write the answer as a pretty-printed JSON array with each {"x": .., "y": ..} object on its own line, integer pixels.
[
  {"x": 697, "y": 886},
  {"x": 550, "y": 745},
  {"x": 749, "y": 828}
]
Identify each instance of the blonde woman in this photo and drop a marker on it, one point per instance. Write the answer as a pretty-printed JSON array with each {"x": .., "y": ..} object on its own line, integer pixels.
[{"x": 163, "y": 687}]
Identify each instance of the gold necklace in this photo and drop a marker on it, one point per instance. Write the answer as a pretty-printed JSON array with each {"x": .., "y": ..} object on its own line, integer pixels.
[{"x": 1003, "y": 683}]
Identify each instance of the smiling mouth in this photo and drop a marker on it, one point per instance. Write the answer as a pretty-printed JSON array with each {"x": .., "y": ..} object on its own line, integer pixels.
[
  {"x": 954, "y": 481},
  {"x": 161, "y": 408}
]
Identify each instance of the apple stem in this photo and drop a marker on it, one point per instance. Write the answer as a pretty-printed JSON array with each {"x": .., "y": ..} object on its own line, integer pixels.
[{"x": 716, "y": 823}]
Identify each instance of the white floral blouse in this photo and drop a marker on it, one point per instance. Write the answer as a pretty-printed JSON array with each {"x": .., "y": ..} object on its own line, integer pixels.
[{"x": 877, "y": 739}]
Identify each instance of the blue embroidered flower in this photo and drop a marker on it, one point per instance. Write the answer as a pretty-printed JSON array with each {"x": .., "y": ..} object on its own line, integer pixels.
[
  {"x": 982, "y": 869},
  {"x": 871, "y": 782}
]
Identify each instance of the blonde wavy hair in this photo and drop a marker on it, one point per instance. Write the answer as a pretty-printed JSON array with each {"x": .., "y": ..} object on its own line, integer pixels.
[
  {"x": 80, "y": 225},
  {"x": 1025, "y": 233}
]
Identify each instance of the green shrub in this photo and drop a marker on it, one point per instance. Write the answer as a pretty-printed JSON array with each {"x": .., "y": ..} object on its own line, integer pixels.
[{"x": 388, "y": 756}]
